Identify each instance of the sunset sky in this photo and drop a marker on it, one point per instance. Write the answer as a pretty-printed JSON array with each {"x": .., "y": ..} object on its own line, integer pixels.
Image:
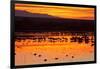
[{"x": 59, "y": 11}]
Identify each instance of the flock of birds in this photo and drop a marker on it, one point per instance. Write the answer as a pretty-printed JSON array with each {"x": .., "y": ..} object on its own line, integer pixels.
[
  {"x": 78, "y": 39},
  {"x": 72, "y": 39}
]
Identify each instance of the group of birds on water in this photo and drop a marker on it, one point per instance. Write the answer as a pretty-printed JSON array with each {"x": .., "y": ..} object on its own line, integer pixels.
[
  {"x": 45, "y": 59},
  {"x": 78, "y": 39}
]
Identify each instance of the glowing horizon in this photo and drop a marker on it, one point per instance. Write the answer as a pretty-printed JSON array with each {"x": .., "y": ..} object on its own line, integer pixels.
[{"x": 59, "y": 11}]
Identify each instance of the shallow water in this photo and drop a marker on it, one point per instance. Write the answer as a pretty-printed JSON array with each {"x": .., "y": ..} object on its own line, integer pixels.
[{"x": 53, "y": 47}]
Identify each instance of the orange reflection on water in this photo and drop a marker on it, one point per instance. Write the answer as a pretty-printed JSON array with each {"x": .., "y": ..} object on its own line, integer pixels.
[{"x": 66, "y": 51}]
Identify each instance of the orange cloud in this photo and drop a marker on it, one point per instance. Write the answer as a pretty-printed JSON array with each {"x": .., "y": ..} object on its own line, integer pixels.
[{"x": 59, "y": 11}]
